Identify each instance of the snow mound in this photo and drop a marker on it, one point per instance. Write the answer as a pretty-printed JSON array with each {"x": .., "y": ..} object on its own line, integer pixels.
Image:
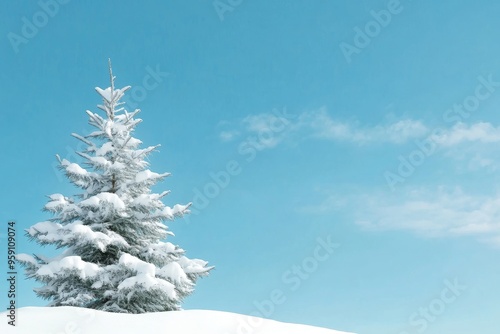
[{"x": 45, "y": 320}]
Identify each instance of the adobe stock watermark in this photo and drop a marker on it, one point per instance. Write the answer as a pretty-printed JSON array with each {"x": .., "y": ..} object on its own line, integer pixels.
[
  {"x": 223, "y": 6},
  {"x": 408, "y": 163},
  {"x": 278, "y": 122},
  {"x": 420, "y": 320},
  {"x": 151, "y": 80},
  {"x": 293, "y": 278},
  {"x": 31, "y": 26},
  {"x": 371, "y": 29}
]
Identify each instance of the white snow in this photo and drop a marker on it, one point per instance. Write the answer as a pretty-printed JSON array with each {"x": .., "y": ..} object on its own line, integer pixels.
[
  {"x": 57, "y": 197},
  {"x": 148, "y": 282},
  {"x": 57, "y": 202},
  {"x": 105, "y": 93},
  {"x": 54, "y": 232},
  {"x": 45, "y": 320},
  {"x": 110, "y": 198},
  {"x": 143, "y": 200},
  {"x": 177, "y": 210},
  {"x": 84, "y": 232},
  {"x": 192, "y": 266},
  {"x": 85, "y": 269},
  {"x": 105, "y": 149},
  {"x": 134, "y": 142},
  {"x": 76, "y": 169},
  {"x": 100, "y": 161},
  {"x": 117, "y": 93},
  {"x": 160, "y": 248},
  {"x": 138, "y": 265},
  {"x": 46, "y": 227},
  {"x": 26, "y": 258},
  {"x": 173, "y": 271},
  {"x": 145, "y": 276},
  {"x": 148, "y": 175}
]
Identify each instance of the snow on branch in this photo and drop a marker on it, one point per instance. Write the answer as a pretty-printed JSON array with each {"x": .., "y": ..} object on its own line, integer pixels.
[
  {"x": 70, "y": 263},
  {"x": 149, "y": 176}
]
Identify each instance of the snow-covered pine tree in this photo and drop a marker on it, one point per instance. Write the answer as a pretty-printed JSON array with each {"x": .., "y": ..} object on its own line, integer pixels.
[{"x": 113, "y": 234}]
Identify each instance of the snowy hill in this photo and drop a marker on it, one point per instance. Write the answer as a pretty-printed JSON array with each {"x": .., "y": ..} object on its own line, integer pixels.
[{"x": 74, "y": 320}]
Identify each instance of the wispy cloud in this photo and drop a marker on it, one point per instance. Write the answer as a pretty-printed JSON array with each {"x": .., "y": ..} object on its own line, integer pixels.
[
  {"x": 227, "y": 136},
  {"x": 320, "y": 124},
  {"x": 227, "y": 132},
  {"x": 439, "y": 212},
  {"x": 270, "y": 128},
  {"x": 473, "y": 145},
  {"x": 481, "y": 132}
]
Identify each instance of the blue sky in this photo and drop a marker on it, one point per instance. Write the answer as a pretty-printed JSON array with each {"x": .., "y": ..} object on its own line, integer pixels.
[{"x": 370, "y": 124}]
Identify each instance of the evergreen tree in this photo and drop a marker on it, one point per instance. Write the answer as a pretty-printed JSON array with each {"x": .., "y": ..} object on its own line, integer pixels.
[{"x": 113, "y": 234}]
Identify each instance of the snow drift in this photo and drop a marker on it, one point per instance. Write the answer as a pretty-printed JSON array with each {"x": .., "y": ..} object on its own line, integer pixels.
[{"x": 75, "y": 320}]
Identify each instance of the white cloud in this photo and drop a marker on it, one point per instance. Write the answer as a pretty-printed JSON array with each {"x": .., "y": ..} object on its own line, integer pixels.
[
  {"x": 473, "y": 146},
  {"x": 259, "y": 122},
  {"x": 322, "y": 125},
  {"x": 266, "y": 129},
  {"x": 427, "y": 212},
  {"x": 227, "y": 136},
  {"x": 460, "y": 133},
  {"x": 319, "y": 124}
]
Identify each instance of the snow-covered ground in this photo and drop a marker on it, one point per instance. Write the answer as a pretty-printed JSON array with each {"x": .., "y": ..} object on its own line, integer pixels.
[{"x": 74, "y": 320}]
